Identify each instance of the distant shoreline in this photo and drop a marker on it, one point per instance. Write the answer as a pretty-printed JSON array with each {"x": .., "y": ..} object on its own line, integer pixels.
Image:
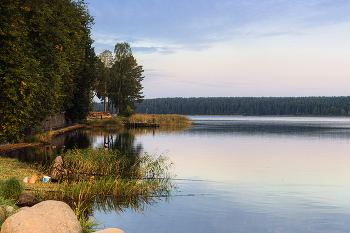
[{"x": 275, "y": 116}]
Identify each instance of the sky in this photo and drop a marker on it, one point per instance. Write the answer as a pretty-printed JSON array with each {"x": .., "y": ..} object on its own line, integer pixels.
[{"x": 231, "y": 48}]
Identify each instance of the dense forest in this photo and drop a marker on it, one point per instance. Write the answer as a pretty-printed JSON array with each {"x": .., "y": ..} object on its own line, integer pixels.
[
  {"x": 47, "y": 62},
  {"x": 48, "y": 65},
  {"x": 248, "y": 106}
]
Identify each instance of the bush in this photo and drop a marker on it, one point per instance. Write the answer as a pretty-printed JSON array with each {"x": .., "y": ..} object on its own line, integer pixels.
[
  {"x": 11, "y": 188},
  {"x": 32, "y": 139}
]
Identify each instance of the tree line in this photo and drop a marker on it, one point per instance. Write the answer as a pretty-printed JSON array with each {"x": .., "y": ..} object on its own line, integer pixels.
[
  {"x": 48, "y": 65},
  {"x": 248, "y": 106}
]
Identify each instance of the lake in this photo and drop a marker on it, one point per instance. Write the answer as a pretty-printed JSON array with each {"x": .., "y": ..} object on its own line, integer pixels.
[{"x": 241, "y": 174}]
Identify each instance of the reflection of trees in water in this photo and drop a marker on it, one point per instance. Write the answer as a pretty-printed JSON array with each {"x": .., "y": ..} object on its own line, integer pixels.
[
  {"x": 116, "y": 138},
  {"x": 69, "y": 140},
  {"x": 125, "y": 142},
  {"x": 80, "y": 139}
]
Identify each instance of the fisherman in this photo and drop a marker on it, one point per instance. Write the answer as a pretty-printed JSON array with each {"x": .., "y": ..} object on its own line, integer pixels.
[{"x": 58, "y": 172}]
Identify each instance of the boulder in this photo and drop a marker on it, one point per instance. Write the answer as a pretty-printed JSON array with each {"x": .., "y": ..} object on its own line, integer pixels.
[
  {"x": 47, "y": 216},
  {"x": 110, "y": 230},
  {"x": 23, "y": 208},
  {"x": 26, "y": 199}
]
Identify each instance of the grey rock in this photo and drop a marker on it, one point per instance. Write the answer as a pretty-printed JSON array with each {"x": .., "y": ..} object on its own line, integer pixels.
[{"x": 47, "y": 216}]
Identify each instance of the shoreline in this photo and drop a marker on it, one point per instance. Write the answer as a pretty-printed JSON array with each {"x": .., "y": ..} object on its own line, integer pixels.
[
  {"x": 271, "y": 116},
  {"x": 12, "y": 147}
]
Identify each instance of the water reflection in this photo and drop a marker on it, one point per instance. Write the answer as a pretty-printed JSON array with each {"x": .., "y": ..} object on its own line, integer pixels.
[
  {"x": 280, "y": 126},
  {"x": 257, "y": 175},
  {"x": 63, "y": 142},
  {"x": 120, "y": 139},
  {"x": 113, "y": 138}
]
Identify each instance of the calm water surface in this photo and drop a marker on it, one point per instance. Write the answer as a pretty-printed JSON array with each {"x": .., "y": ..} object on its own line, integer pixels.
[
  {"x": 250, "y": 174},
  {"x": 238, "y": 174}
]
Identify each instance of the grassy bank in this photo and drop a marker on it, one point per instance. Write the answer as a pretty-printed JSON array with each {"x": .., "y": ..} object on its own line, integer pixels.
[
  {"x": 105, "y": 122},
  {"x": 162, "y": 120},
  {"x": 103, "y": 180}
]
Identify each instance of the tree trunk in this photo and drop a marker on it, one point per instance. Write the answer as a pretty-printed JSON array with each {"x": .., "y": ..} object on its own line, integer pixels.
[
  {"x": 104, "y": 104},
  {"x": 104, "y": 109}
]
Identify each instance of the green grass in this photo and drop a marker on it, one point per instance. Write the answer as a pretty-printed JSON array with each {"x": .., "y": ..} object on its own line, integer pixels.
[
  {"x": 3, "y": 204},
  {"x": 11, "y": 188}
]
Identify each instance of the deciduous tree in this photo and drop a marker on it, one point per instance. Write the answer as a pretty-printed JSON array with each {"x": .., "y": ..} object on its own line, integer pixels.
[
  {"x": 125, "y": 80},
  {"x": 43, "y": 55}
]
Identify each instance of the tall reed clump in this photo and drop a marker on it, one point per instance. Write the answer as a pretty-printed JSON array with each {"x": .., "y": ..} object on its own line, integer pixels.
[
  {"x": 112, "y": 180},
  {"x": 162, "y": 120},
  {"x": 111, "y": 173}
]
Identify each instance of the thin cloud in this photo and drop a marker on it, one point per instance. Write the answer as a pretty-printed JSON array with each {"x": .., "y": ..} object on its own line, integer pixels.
[{"x": 189, "y": 23}]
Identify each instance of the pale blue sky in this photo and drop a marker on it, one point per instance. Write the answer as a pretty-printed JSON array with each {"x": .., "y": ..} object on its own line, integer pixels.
[{"x": 202, "y": 48}]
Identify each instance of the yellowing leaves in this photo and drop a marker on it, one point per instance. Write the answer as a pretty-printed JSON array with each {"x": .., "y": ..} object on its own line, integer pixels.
[
  {"x": 23, "y": 83},
  {"x": 58, "y": 47},
  {"x": 25, "y": 8}
]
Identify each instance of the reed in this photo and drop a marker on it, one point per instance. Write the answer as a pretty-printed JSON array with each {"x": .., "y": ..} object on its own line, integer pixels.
[
  {"x": 110, "y": 173},
  {"x": 162, "y": 120}
]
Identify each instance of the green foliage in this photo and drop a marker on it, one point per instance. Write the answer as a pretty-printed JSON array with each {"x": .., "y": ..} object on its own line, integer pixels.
[
  {"x": 11, "y": 188},
  {"x": 119, "y": 79},
  {"x": 248, "y": 106},
  {"x": 3, "y": 204},
  {"x": 32, "y": 139},
  {"x": 90, "y": 225},
  {"x": 45, "y": 52},
  {"x": 128, "y": 112},
  {"x": 126, "y": 77}
]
